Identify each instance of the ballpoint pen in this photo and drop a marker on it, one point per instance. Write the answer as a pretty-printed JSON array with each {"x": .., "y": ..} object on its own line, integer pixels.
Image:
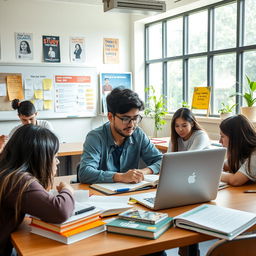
[
  {"x": 250, "y": 191},
  {"x": 85, "y": 210},
  {"x": 122, "y": 190}
]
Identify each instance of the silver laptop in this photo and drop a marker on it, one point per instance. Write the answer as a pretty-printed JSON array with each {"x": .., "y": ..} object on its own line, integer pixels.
[{"x": 186, "y": 177}]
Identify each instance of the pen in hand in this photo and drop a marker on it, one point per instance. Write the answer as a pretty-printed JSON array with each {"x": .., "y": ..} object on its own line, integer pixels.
[
  {"x": 84, "y": 210},
  {"x": 250, "y": 191}
]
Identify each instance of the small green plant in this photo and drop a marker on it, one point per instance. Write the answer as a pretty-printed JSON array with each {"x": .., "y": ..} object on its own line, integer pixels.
[
  {"x": 226, "y": 108},
  {"x": 249, "y": 95},
  {"x": 185, "y": 104},
  {"x": 156, "y": 108}
]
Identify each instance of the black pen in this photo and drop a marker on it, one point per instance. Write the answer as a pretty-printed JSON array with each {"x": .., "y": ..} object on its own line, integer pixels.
[
  {"x": 250, "y": 191},
  {"x": 85, "y": 210}
]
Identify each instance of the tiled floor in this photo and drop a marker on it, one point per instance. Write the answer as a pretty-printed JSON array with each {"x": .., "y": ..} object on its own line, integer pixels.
[{"x": 202, "y": 246}]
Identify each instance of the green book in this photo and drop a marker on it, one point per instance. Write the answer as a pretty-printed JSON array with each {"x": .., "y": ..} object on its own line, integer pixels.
[{"x": 135, "y": 228}]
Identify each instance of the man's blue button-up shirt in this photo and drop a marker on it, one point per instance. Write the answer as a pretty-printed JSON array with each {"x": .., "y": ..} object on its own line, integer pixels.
[{"x": 97, "y": 163}]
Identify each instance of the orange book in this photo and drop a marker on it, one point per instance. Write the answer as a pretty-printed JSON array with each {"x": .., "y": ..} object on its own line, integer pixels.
[
  {"x": 80, "y": 229},
  {"x": 69, "y": 226},
  {"x": 74, "y": 231}
]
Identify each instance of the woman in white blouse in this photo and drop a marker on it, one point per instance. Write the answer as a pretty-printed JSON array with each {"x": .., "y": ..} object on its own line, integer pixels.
[{"x": 186, "y": 133}]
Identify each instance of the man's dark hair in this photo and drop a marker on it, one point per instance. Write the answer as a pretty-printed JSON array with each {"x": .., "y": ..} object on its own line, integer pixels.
[{"x": 122, "y": 100}]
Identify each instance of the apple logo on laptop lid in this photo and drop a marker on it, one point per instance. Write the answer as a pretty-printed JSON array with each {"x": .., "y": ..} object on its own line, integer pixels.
[{"x": 192, "y": 178}]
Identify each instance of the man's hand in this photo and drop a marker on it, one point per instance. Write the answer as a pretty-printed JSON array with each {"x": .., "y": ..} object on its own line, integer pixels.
[{"x": 131, "y": 176}]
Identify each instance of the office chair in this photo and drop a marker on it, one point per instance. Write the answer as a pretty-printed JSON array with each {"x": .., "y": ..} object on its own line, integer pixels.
[
  {"x": 76, "y": 180},
  {"x": 243, "y": 245}
]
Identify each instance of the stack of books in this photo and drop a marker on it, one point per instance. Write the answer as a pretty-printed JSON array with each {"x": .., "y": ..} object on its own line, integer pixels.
[
  {"x": 140, "y": 223},
  {"x": 76, "y": 228}
]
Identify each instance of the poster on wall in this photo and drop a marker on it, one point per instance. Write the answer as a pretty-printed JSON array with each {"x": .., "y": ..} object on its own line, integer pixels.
[
  {"x": 75, "y": 94},
  {"x": 24, "y": 46},
  {"x": 109, "y": 81},
  {"x": 77, "y": 49},
  {"x": 110, "y": 51},
  {"x": 51, "y": 48}
]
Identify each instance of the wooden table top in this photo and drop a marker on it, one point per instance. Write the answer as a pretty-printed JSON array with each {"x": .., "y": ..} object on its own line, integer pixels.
[
  {"x": 70, "y": 149},
  {"x": 116, "y": 244}
]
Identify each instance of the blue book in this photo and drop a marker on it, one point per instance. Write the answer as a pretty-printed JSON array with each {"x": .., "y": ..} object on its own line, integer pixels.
[{"x": 135, "y": 228}]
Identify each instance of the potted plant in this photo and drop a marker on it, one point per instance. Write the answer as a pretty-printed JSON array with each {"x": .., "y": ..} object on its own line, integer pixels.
[
  {"x": 185, "y": 104},
  {"x": 226, "y": 110},
  {"x": 156, "y": 109},
  {"x": 250, "y": 110}
]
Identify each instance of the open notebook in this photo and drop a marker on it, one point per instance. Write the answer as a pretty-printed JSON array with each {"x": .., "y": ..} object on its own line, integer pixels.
[{"x": 116, "y": 188}]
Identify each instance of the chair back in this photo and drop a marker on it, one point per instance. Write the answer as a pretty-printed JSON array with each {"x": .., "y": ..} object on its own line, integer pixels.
[{"x": 243, "y": 245}]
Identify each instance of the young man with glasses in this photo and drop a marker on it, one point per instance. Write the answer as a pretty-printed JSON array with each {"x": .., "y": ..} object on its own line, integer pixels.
[{"x": 113, "y": 151}]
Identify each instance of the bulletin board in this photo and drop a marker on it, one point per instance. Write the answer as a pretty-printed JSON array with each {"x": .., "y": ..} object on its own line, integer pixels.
[{"x": 57, "y": 91}]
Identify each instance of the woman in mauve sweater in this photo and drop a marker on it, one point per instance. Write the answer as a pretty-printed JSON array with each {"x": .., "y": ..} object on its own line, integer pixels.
[{"x": 28, "y": 164}]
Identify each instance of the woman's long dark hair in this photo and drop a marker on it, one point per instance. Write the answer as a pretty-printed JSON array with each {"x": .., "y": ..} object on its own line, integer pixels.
[
  {"x": 242, "y": 140},
  {"x": 29, "y": 152},
  {"x": 188, "y": 116}
]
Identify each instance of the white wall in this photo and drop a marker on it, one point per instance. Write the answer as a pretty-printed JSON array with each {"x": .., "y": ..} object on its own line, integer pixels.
[{"x": 64, "y": 19}]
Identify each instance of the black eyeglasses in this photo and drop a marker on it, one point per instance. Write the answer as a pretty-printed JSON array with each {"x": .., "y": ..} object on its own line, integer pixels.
[{"x": 126, "y": 120}]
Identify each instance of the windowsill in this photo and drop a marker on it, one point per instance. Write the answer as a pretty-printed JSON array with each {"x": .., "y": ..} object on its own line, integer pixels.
[{"x": 212, "y": 120}]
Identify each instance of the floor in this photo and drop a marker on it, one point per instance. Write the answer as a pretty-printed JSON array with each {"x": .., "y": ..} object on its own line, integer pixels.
[{"x": 202, "y": 246}]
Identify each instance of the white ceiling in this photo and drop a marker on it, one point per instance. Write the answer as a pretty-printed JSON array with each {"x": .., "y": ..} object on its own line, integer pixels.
[{"x": 92, "y": 2}]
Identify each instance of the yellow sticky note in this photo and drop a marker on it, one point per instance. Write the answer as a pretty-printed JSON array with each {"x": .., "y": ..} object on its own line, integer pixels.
[
  {"x": 38, "y": 94},
  {"x": 47, "y": 104},
  {"x": 47, "y": 84}
]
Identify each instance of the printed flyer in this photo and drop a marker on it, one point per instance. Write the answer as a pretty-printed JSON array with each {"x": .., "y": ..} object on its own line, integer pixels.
[
  {"x": 51, "y": 48},
  {"x": 77, "y": 49},
  {"x": 24, "y": 46}
]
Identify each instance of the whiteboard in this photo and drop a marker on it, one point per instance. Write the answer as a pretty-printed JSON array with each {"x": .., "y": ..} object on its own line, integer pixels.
[{"x": 63, "y": 76}]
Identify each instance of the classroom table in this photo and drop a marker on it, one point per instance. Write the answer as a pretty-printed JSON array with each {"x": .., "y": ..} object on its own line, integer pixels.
[
  {"x": 68, "y": 150},
  {"x": 107, "y": 244},
  {"x": 163, "y": 143}
]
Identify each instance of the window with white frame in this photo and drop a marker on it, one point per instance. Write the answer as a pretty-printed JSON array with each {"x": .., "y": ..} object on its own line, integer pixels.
[{"x": 210, "y": 46}]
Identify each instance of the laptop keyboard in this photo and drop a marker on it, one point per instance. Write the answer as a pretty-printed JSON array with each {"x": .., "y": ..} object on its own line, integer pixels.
[{"x": 150, "y": 199}]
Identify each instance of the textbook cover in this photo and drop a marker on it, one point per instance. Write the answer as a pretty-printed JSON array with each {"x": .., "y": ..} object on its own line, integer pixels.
[
  {"x": 143, "y": 216},
  {"x": 51, "y": 48},
  {"x": 140, "y": 229}
]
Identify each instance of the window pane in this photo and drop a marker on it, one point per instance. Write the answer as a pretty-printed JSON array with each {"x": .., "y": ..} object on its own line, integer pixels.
[
  {"x": 249, "y": 69},
  {"x": 174, "y": 86},
  {"x": 224, "y": 80},
  {"x": 250, "y": 22},
  {"x": 197, "y": 33},
  {"x": 155, "y": 77},
  {"x": 197, "y": 75},
  {"x": 155, "y": 41},
  {"x": 174, "y": 37},
  {"x": 225, "y": 27}
]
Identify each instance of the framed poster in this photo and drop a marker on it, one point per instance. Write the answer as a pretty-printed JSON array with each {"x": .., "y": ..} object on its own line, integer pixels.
[{"x": 109, "y": 81}]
